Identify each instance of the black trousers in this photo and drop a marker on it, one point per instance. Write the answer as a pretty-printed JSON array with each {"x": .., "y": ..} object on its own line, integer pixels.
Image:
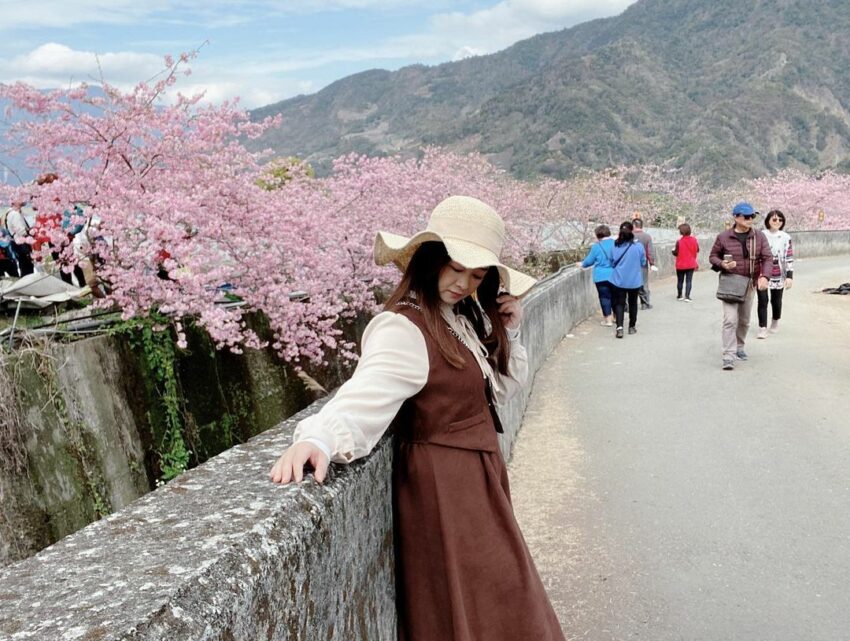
[
  {"x": 8, "y": 267},
  {"x": 24, "y": 254},
  {"x": 620, "y": 296},
  {"x": 775, "y": 305},
  {"x": 686, "y": 275}
]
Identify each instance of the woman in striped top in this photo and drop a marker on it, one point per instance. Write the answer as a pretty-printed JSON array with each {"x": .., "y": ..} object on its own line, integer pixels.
[{"x": 782, "y": 276}]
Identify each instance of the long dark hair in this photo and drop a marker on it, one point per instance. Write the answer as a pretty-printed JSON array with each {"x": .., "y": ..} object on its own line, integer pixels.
[
  {"x": 627, "y": 234},
  {"x": 421, "y": 279}
]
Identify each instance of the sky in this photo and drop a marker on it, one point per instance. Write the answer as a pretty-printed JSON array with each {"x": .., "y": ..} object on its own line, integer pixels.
[{"x": 262, "y": 51}]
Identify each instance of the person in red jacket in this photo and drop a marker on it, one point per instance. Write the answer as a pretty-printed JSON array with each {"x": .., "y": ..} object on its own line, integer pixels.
[
  {"x": 687, "y": 248},
  {"x": 740, "y": 250}
]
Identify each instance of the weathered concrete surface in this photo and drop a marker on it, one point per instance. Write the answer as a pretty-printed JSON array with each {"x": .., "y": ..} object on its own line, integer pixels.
[
  {"x": 83, "y": 454},
  {"x": 220, "y": 553},
  {"x": 666, "y": 499},
  {"x": 86, "y": 374},
  {"x": 809, "y": 244}
]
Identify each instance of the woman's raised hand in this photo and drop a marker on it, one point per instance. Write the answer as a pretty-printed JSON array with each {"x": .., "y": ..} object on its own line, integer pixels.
[
  {"x": 290, "y": 466},
  {"x": 510, "y": 309}
]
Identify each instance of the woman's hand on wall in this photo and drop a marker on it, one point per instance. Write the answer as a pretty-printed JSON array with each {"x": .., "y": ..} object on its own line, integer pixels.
[{"x": 290, "y": 466}]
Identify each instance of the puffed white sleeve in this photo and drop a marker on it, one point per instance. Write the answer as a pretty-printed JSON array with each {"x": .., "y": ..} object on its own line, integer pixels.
[
  {"x": 505, "y": 387},
  {"x": 393, "y": 367}
]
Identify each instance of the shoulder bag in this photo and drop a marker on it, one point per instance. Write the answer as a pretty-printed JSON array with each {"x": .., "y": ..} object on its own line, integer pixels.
[
  {"x": 732, "y": 288},
  {"x": 617, "y": 262}
]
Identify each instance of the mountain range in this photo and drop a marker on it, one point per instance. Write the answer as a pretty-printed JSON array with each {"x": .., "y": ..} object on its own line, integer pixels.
[{"x": 726, "y": 89}]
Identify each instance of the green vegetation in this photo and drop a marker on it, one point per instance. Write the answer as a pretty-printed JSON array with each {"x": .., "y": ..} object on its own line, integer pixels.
[{"x": 152, "y": 336}]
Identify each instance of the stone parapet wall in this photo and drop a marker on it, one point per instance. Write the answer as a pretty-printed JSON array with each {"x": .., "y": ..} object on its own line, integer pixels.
[{"x": 809, "y": 244}]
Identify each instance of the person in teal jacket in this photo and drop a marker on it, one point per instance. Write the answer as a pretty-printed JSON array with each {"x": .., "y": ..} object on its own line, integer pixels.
[
  {"x": 628, "y": 259},
  {"x": 600, "y": 258}
]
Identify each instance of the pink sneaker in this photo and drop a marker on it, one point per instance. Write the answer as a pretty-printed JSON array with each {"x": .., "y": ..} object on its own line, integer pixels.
[{"x": 762, "y": 332}]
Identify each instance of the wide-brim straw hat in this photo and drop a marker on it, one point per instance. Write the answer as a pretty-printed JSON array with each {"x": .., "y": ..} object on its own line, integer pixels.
[{"x": 473, "y": 234}]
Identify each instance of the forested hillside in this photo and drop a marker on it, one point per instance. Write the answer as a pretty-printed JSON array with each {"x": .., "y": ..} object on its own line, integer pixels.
[{"x": 726, "y": 88}]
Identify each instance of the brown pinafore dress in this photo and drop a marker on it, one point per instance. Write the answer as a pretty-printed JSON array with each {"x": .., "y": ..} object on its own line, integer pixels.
[{"x": 463, "y": 571}]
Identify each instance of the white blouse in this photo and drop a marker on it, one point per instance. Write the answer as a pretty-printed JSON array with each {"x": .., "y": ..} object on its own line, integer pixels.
[{"x": 393, "y": 367}]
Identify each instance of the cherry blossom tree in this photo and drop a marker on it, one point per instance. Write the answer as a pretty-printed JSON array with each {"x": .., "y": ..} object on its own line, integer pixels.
[
  {"x": 809, "y": 202},
  {"x": 182, "y": 207}
]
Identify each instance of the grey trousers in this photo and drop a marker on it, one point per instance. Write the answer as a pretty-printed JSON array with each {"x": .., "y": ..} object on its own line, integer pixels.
[
  {"x": 643, "y": 292},
  {"x": 736, "y": 324}
]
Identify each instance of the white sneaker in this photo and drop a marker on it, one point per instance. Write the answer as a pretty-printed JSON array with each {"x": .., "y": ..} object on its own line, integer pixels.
[
  {"x": 774, "y": 326},
  {"x": 762, "y": 332},
  {"x": 688, "y": 300}
]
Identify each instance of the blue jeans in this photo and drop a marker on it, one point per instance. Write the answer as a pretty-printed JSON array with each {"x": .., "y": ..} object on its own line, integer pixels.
[{"x": 605, "y": 296}]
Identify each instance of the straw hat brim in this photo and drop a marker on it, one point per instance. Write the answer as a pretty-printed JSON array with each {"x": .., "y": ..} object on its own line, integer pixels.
[{"x": 392, "y": 248}]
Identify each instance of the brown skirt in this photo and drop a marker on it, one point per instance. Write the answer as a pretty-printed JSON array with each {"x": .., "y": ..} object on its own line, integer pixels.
[{"x": 463, "y": 571}]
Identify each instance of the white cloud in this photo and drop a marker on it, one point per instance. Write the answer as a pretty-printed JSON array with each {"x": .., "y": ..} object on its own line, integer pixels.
[
  {"x": 506, "y": 22},
  {"x": 466, "y": 52},
  {"x": 54, "y": 64}
]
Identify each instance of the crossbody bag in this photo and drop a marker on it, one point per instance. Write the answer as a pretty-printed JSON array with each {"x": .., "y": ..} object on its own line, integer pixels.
[{"x": 732, "y": 288}]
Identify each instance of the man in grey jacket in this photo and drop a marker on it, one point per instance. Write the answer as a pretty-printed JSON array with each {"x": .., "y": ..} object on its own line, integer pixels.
[{"x": 645, "y": 240}]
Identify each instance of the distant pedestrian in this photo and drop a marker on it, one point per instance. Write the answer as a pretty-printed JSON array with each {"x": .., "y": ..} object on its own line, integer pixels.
[
  {"x": 743, "y": 251},
  {"x": 649, "y": 250},
  {"x": 45, "y": 232},
  {"x": 687, "y": 248},
  {"x": 781, "y": 277},
  {"x": 8, "y": 259},
  {"x": 601, "y": 259},
  {"x": 15, "y": 221},
  {"x": 628, "y": 258}
]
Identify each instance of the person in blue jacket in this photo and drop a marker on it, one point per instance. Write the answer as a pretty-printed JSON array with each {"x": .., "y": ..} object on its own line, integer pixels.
[
  {"x": 628, "y": 259},
  {"x": 600, "y": 258}
]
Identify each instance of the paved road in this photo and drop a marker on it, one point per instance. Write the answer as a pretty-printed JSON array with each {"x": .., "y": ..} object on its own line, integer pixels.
[{"x": 664, "y": 498}]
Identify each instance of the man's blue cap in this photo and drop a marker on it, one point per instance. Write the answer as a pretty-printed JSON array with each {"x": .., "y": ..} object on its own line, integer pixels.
[{"x": 743, "y": 209}]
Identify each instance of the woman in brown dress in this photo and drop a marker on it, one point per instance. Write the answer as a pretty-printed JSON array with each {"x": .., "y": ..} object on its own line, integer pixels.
[{"x": 434, "y": 364}]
